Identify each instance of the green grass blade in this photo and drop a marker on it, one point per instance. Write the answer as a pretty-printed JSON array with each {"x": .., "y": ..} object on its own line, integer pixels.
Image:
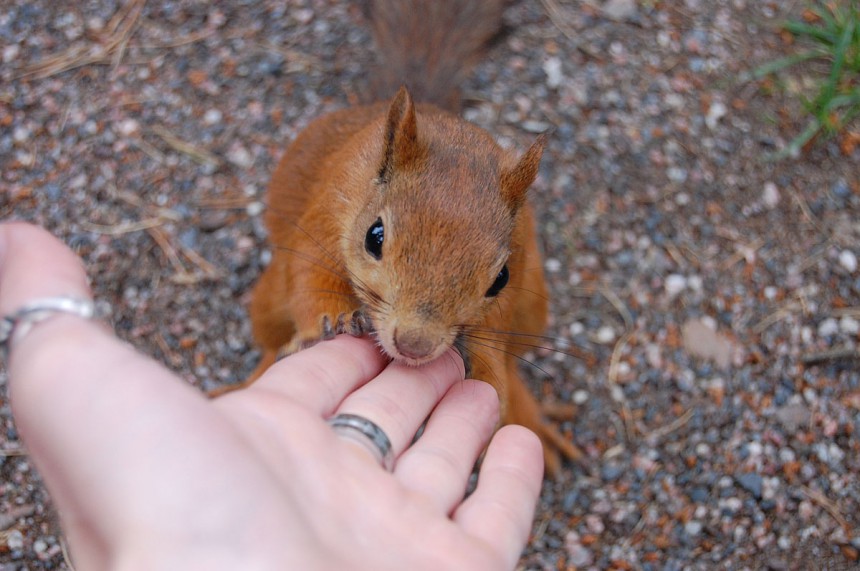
[
  {"x": 823, "y": 35},
  {"x": 782, "y": 63}
]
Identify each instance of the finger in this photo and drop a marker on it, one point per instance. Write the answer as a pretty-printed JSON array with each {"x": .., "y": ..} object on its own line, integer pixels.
[
  {"x": 439, "y": 464},
  {"x": 321, "y": 376},
  {"x": 401, "y": 397},
  {"x": 501, "y": 510},
  {"x": 33, "y": 265},
  {"x": 76, "y": 391}
]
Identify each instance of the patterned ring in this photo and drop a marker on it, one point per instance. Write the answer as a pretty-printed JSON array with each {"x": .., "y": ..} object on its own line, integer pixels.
[
  {"x": 20, "y": 322},
  {"x": 367, "y": 433}
]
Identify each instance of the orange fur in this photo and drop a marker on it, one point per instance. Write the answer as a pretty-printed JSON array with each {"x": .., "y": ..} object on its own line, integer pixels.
[{"x": 453, "y": 207}]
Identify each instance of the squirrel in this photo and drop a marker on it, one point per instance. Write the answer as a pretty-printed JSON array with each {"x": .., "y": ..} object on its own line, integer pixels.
[{"x": 402, "y": 220}]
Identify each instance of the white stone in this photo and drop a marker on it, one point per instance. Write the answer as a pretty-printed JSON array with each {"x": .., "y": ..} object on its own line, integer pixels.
[
  {"x": 828, "y": 327},
  {"x": 10, "y": 52},
  {"x": 770, "y": 195},
  {"x": 849, "y": 325},
  {"x": 128, "y": 127},
  {"x": 580, "y": 397},
  {"x": 212, "y": 117},
  {"x": 552, "y": 265},
  {"x": 716, "y": 111},
  {"x": 693, "y": 528},
  {"x": 848, "y": 260},
  {"x": 15, "y": 540},
  {"x": 620, "y": 9},
  {"x": 675, "y": 284},
  {"x": 20, "y": 134},
  {"x": 240, "y": 156},
  {"x": 695, "y": 283},
  {"x": 554, "y": 74},
  {"x": 754, "y": 448},
  {"x": 605, "y": 335},
  {"x": 255, "y": 208}
]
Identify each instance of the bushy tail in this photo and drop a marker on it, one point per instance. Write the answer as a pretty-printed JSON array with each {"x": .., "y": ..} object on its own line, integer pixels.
[{"x": 429, "y": 45}]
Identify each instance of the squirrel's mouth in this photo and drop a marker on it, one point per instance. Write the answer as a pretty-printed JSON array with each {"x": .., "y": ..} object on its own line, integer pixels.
[
  {"x": 413, "y": 346},
  {"x": 391, "y": 348}
]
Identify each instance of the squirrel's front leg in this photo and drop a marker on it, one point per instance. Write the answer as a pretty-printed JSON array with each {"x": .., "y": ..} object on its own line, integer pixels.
[{"x": 297, "y": 302}]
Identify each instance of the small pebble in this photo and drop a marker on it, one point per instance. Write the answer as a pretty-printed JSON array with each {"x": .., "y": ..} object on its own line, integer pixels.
[
  {"x": 20, "y": 134},
  {"x": 620, "y": 9},
  {"x": 828, "y": 327},
  {"x": 674, "y": 284},
  {"x": 255, "y": 208},
  {"x": 605, "y": 335},
  {"x": 849, "y": 325},
  {"x": 752, "y": 483},
  {"x": 770, "y": 195},
  {"x": 303, "y": 15},
  {"x": 848, "y": 260},
  {"x": 128, "y": 127},
  {"x": 552, "y": 265},
  {"x": 579, "y": 555},
  {"x": 212, "y": 117},
  {"x": 693, "y": 528},
  {"x": 554, "y": 74},
  {"x": 15, "y": 540},
  {"x": 240, "y": 156},
  {"x": 716, "y": 111},
  {"x": 594, "y": 523},
  {"x": 10, "y": 52}
]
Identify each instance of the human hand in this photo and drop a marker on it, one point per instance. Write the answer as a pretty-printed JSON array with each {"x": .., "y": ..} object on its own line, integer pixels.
[{"x": 148, "y": 474}]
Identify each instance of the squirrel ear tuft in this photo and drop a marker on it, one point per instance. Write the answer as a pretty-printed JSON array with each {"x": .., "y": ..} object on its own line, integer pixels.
[
  {"x": 515, "y": 181},
  {"x": 401, "y": 134}
]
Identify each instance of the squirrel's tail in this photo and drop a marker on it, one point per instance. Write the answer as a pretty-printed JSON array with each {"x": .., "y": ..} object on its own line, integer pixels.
[{"x": 429, "y": 45}]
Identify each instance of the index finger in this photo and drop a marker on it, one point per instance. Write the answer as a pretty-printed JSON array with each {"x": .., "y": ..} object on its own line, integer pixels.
[
  {"x": 321, "y": 376},
  {"x": 39, "y": 270}
]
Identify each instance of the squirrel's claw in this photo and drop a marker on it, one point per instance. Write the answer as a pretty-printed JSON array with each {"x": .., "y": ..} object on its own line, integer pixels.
[{"x": 356, "y": 324}]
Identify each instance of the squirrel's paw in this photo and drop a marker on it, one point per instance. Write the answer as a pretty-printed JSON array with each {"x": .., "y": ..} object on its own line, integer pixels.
[{"x": 355, "y": 324}]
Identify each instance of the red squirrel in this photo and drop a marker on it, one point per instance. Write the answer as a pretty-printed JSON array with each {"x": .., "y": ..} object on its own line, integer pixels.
[{"x": 402, "y": 220}]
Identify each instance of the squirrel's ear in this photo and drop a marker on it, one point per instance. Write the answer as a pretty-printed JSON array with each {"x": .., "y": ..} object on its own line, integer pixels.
[
  {"x": 401, "y": 134},
  {"x": 515, "y": 181}
]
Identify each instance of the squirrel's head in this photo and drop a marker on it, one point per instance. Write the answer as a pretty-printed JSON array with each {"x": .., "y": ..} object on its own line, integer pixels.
[{"x": 428, "y": 253}]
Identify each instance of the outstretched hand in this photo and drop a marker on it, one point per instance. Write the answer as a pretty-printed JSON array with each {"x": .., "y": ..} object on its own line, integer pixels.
[{"x": 147, "y": 473}]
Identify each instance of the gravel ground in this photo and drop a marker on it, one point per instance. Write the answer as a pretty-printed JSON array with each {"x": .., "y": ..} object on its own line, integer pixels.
[{"x": 709, "y": 297}]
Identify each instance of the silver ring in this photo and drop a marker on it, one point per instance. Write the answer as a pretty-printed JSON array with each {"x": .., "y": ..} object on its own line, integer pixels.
[
  {"x": 368, "y": 434},
  {"x": 20, "y": 322}
]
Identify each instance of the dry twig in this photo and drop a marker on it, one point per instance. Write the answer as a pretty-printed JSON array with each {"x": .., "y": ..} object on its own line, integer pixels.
[
  {"x": 124, "y": 227},
  {"x": 195, "y": 153},
  {"x": 835, "y": 354},
  {"x": 109, "y": 50},
  {"x": 662, "y": 431},
  {"x": 829, "y": 506}
]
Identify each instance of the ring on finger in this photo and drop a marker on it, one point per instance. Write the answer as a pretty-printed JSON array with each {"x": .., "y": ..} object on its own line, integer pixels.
[
  {"x": 18, "y": 323},
  {"x": 368, "y": 434}
]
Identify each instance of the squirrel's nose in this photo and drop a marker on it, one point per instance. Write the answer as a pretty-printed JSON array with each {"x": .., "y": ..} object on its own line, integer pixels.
[{"x": 414, "y": 344}]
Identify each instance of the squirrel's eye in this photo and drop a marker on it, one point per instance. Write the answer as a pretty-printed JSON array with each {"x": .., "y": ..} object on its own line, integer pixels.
[
  {"x": 500, "y": 283},
  {"x": 374, "y": 238}
]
